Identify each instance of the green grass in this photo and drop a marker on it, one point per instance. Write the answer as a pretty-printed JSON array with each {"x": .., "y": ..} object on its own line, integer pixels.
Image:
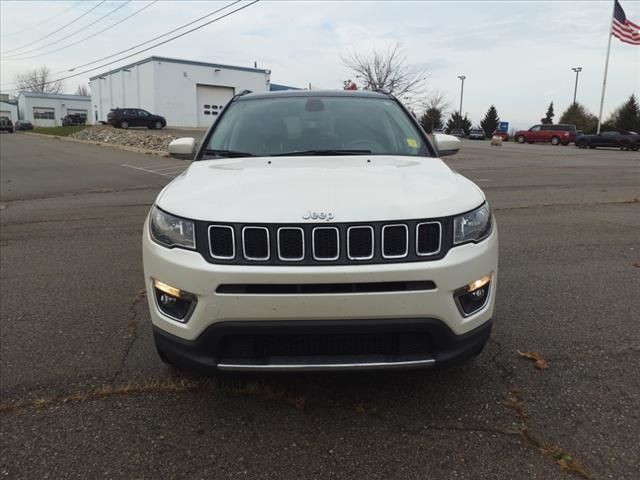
[{"x": 60, "y": 131}]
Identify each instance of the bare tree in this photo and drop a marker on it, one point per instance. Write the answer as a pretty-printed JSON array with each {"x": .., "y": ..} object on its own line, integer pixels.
[
  {"x": 435, "y": 107},
  {"x": 387, "y": 70},
  {"x": 82, "y": 90},
  {"x": 436, "y": 101},
  {"x": 38, "y": 80}
]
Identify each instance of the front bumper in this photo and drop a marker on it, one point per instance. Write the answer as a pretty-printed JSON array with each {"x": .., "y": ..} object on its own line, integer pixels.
[
  {"x": 234, "y": 346},
  {"x": 432, "y": 311}
]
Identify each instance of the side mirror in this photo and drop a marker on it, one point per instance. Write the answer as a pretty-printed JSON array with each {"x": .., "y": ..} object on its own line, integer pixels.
[
  {"x": 183, "y": 148},
  {"x": 446, "y": 144}
]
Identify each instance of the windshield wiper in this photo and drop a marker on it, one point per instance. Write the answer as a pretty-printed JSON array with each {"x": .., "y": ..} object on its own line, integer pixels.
[
  {"x": 321, "y": 152},
  {"x": 228, "y": 153}
]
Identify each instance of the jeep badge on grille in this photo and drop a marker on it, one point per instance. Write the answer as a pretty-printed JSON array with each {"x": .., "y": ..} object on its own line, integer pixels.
[{"x": 318, "y": 216}]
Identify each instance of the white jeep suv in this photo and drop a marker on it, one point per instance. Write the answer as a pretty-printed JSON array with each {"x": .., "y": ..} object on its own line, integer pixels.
[{"x": 319, "y": 231}]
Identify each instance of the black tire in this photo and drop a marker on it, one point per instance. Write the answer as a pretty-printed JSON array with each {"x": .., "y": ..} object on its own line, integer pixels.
[
  {"x": 592, "y": 146},
  {"x": 158, "y": 125},
  {"x": 124, "y": 124},
  {"x": 625, "y": 146},
  {"x": 520, "y": 139},
  {"x": 555, "y": 140}
]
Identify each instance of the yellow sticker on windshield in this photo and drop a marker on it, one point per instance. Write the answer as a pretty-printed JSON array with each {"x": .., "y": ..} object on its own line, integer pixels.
[{"x": 412, "y": 142}]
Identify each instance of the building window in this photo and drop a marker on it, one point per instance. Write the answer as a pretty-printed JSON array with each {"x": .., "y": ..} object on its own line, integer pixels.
[{"x": 44, "y": 113}]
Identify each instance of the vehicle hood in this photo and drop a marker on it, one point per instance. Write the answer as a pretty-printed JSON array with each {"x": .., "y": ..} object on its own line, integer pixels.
[{"x": 352, "y": 188}]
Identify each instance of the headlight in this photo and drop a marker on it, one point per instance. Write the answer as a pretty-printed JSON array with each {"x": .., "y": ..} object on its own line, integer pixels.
[
  {"x": 171, "y": 231},
  {"x": 472, "y": 226}
]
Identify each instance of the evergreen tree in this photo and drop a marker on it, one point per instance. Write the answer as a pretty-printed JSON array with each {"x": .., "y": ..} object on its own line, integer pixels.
[
  {"x": 455, "y": 121},
  {"x": 625, "y": 117},
  {"x": 490, "y": 121},
  {"x": 432, "y": 119},
  {"x": 548, "y": 119},
  {"x": 579, "y": 116}
]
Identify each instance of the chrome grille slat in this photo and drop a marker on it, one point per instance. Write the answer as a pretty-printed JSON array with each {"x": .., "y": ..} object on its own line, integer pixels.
[
  {"x": 419, "y": 237},
  {"x": 215, "y": 251},
  {"x": 351, "y": 255},
  {"x": 251, "y": 241},
  {"x": 288, "y": 248},
  {"x": 386, "y": 242},
  {"x": 317, "y": 243}
]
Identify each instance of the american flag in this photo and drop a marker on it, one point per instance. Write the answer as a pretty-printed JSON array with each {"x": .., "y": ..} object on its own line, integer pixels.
[{"x": 624, "y": 29}]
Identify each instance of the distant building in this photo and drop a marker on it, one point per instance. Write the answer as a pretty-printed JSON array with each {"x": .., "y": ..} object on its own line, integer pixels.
[
  {"x": 186, "y": 93},
  {"x": 48, "y": 109},
  {"x": 9, "y": 110},
  {"x": 275, "y": 87}
]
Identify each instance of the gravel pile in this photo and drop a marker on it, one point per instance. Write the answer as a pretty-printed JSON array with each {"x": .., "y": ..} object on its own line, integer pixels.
[{"x": 143, "y": 139}]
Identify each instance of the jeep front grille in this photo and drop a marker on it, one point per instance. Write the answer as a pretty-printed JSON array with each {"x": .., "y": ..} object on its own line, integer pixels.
[{"x": 322, "y": 244}]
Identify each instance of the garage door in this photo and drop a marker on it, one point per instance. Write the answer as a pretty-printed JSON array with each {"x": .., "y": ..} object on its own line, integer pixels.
[
  {"x": 211, "y": 100},
  {"x": 5, "y": 113},
  {"x": 82, "y": 113},
  {"x": 44, "y": 117}
]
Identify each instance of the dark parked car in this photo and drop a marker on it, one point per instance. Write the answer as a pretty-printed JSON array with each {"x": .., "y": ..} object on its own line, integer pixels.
[
  {"x": 622, "y": 139},
  {"x": 556, "y": 134},
  {"x": 476, "y": 134},
  {"x": 6, "y": 125},
  {"x": 134, "y": 117},
  {"x": 74, "y": 119},
  {"x": 503, "y": 134},
  {"x": 457, "y": 132},
  {"x": 23, "y": 125}
]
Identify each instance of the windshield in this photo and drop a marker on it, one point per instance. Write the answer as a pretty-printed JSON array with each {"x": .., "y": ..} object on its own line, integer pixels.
[{"x": 315, "y": 125}]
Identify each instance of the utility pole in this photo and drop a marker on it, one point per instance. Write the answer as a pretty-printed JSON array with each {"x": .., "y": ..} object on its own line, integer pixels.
[
  {"x": 461, "y": 77},
  {"x": 575, "y": 90}
]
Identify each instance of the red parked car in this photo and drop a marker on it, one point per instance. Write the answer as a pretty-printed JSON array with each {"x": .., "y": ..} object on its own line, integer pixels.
[{"x": 555, "y": 134}]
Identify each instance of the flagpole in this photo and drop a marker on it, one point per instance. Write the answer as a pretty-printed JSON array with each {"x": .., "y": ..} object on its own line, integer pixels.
[{"x": 606, "y": 67}]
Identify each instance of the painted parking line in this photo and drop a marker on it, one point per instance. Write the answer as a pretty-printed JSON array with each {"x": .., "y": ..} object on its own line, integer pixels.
[{"x": 172, "y": 171}]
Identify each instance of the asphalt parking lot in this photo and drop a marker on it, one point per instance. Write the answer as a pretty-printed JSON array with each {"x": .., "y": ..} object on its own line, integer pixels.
[{"x": 83, "y": 394}]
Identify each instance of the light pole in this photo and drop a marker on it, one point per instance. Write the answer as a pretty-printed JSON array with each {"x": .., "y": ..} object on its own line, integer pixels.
[
  {"x": 575, "y": 90},
  {"x": 461, "y": 77}
]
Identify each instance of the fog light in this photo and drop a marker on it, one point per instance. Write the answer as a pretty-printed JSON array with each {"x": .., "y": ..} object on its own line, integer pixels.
[
  {"x": 173, "y": 302},
  {"x": 473, "y": 296}
]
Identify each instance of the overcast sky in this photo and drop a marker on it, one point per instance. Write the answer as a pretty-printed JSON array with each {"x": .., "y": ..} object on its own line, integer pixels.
[{"x": 516, "y": 55}]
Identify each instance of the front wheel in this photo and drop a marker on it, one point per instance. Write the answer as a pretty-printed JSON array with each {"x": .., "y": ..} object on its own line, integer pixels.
[
  {"x": 124, "y": 124},
  {"x": 555, "y": 140},
  {"x": 520, "y": 139},
  {"x": 158, "y": 125}
]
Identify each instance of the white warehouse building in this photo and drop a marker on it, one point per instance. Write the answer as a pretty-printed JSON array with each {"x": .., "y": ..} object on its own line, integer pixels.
[
  {"x": 48, "y": 109},
  {"x": 186, "y": 93},
  {"x": 9, "y": 110}
]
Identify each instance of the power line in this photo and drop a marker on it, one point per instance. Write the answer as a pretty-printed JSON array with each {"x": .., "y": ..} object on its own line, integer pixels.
[
  {"x": 20, "y": 57},
  {"x": 151, "y": 40},
  {"x": 56, "y": 31},
  {"x": 94, "y": 35},
  {"x": 139, "y": 44},
  {"x": 152, "y": 46},
  {"x": 44, "y": 21}
]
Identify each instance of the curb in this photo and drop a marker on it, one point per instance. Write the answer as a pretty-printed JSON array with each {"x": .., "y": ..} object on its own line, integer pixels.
[{"x": 127, "y": 148}]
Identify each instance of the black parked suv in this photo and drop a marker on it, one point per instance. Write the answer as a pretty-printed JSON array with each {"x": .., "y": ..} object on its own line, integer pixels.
[
  {"x": 134, "y": 117},
  {"x": 6, "y": 124}
]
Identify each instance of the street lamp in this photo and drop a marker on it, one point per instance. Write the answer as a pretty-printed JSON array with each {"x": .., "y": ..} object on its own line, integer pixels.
[
  {"x": 575, "y": 90},
  {"x": 461, "y": 77}
]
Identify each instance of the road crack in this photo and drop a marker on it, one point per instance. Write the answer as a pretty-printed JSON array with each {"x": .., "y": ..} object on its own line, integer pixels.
[{"x": 132, "y": 324}]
